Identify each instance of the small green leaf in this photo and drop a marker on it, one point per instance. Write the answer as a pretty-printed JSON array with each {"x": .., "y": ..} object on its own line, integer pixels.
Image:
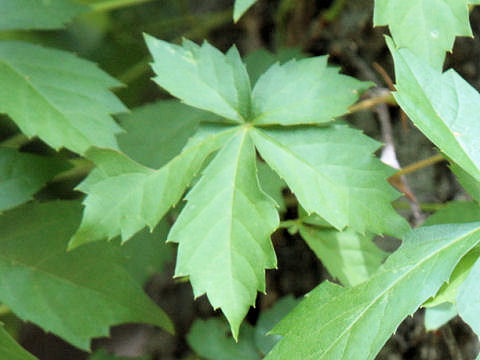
[
  {"x": 209, "y": 79},
  {"x": 332, "y": 173},
  {"x": 76, "y": 295},
  {"x": 469, "y": 183},
  {"x": 439, "y": 315},
  {"x": 303, "y": 92},
  {"x": 62, "y": 99},
  {"x": 210, "y": 339},
  {"x": 427, "y": 27},
  {"x": 348, "y": 256},
  {"x": 354, "y": 323},
  {"x": 271, "y": 183},
  {"x": 124, "y": 196},
  {"x": 10, "y": 349},
  {"x": 468, "y": 299},
  {"x": 28, "y": 14},
  {"x": 240, "y": 7},
  {"x": 443, "y": 106},
  {"x": 157, "y": 132},
  {"x": 224, "y": 232},
  {"x": 23, "y": 174}
]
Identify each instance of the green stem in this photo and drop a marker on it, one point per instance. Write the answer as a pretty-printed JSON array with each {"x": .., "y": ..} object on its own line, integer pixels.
[
  {"x": 419, "y": 165},
  {"x": 402, "y": 205},
  {"x": 109, "y": 5}
]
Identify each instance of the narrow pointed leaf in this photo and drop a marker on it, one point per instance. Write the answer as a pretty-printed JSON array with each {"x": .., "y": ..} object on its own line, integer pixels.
[
  {"x": 210, "y": 80},
  {"x": 10, "y": 349},
  {"x": 62, "y": 99},
  {"x": 468, "y": 299},
  {"x": 348, "y": 256},
  {"x": 224, "y": 232},
  {"x": 355, "y": 323},
  {"x": 303, "y": 92},
  {"x": 124, "y": 196},
  {"x": 23, "y": 174},
  {"x": 443, "y": 106},
  {"x": 76, "y": 295},
  {"x": 240, "y": 7},
  {"x": 332, "y": 173},
  {"x": 427, "y": 27},
  {"x": 28, "y": 14}
]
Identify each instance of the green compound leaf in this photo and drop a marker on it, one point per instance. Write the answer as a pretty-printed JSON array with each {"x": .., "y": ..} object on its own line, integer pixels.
[
  {"x": 10, "y": 349},
  {"x": 468, "y": 299},
  {"x": 332, "y": 173},
  {"x": 224, "y": 232},
  {"x": 28, "y": 14},
  {"x": 76, "y": 295},
  {"x": 240, "y": 7},
  {"x": 443, "y": 106},
  {"x": 303, "y": 92},
  {"x": 348, "y": 256},
  {"x": 427, "y": 27},
  {"x": 58, "y": 97},
  {"x": 354, "y": 323},
  {"x": 209, "y": 80},
  {"x": 124, "y": 196},
  {"x": 23, "y": 174},
  {"x": 157, "y": 132}
]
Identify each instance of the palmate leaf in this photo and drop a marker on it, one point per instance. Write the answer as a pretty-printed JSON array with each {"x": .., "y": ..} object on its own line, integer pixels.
[
  {"x": 62, "y": 99},
  {"x": 23, "y": 174},
  {"x": 354, "y": 323},
  {"x": 76, "y": 295},
  {"x": 240, "y": 7},
  {"x": 124, "y": 196},
  {"x": 209, "y": 80},
  {"x": 331, "y": 174},
  {"x": 28, "y": 14},
  {"x": 443, "y": 106},
  {"x": 348, "y": 256},
  {"x": 303, "y": 92},
  {"x": 427, "y": 27},
  {"x": 224, "y": 232},
  {"x": 9, "y": 348}
]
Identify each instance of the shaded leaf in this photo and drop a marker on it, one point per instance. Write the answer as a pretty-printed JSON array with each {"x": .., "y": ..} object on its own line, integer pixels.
[
  {"x": 209, "y": 79},
  {"x": 427, "y": 27},
  {"x": 28, "y": 14},
  {"x": 332, "y": 173},
  {"x": 303, "y": 92},
  {"x": 224, "y": 232},
  {"x": 10, "y": 349},
  {"x": 124, "y": 196},
  {"x": 62, "y": 99},
  {"x": 102, "y": 355},
  {"x": 23, "y": 174},
  {"x": 76, "y": 295},
  {"x": 443, "y": 106},
  {"x": 354, "y": 323}
]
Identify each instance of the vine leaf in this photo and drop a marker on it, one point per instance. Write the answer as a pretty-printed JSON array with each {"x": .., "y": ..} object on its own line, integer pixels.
[
  {"x": 354, "y": 323},
  {"x": 28, "y": 15},
  {"x": 330, "y": 174},
  {"x": 240, "y": 7},
  {"x": 224, "y": 232},
  {"x": 10, "y": 349},
  {"x": 427, "y": 27},
  {"x": 58, "y": 97},
  {"x": 303, "y": 92},
  {"x": 76, "y": 295},
  {"x": 443, "y": 106},
  {"x": 209, "y": 79},
  {"x": 23, "y": 174},
  {"x": 124, "y": 196}
]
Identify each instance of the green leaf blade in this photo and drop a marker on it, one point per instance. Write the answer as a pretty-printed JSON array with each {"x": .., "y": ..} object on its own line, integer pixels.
[
  {"x": 210, "y": 80},
  {"x": 240, "y": 7},
  {"x": 28, "y": 15},
  {"x": 354, "y": 323},
  {"x": 76, "y": 295},
  {"x": 58, "y": 97},
  {"x": 303, "y": 92},
  {"x": 224, "y": 238},
  {"x": 10, "y": 349},
  {"x": 468, "y": 299},
  {"x": 340, "y": 186}
]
